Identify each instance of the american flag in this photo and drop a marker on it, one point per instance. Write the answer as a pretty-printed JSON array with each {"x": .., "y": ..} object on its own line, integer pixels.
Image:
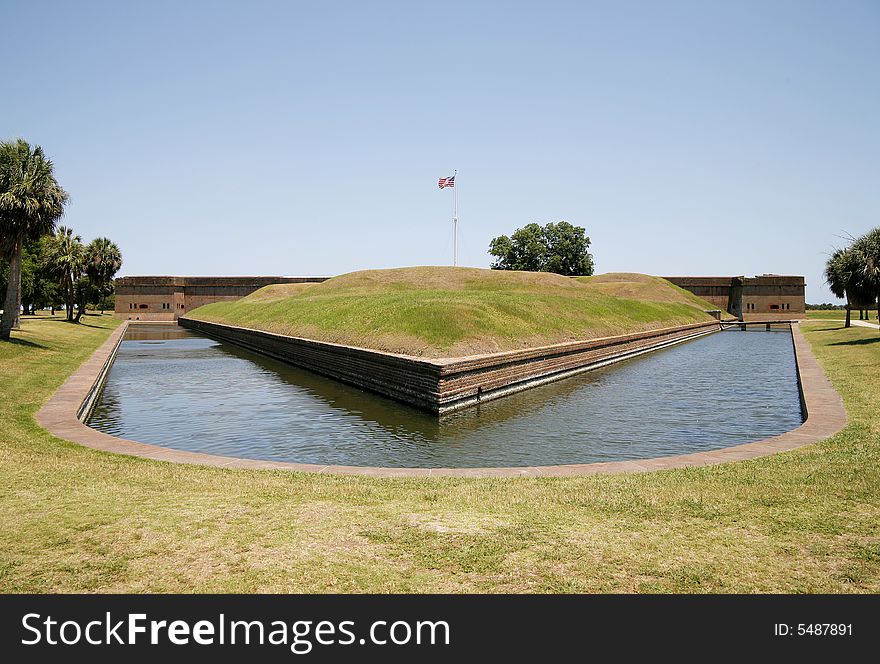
[{"x": 446, "y": 182}]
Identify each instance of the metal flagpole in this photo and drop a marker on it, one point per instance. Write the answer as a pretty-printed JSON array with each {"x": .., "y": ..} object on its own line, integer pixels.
[{"x": 454, "y": 221}]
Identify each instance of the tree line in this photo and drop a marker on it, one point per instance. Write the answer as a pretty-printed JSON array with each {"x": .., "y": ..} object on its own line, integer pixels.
[
  {"x": 41, "y": 265},
  {"x": 853, "y": 274},
  {"x": 829, "y": 306}
]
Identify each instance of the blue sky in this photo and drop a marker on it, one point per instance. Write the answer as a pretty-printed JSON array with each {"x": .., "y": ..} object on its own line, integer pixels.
[{"x": 306, "y": 138}]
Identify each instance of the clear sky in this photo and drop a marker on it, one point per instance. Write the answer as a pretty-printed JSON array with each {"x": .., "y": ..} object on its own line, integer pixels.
[{"x": 306, "y": 138}]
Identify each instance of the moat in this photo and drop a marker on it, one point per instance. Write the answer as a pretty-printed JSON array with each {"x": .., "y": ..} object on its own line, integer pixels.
[{"x": 178, "y": 389}]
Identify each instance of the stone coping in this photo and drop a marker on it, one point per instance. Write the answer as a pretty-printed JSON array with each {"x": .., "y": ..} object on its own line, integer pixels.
[{"x": 823, "y": 408}]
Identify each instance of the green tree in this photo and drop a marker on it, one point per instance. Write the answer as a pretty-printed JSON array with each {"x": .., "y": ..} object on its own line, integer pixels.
[
  {"x": 844, "y": 274},
  {"x": 38, "y": 289},
  {"x": 103, "y": 261},
  {"x": 107, "y": 303},
  {"x": 65, "y": 258},
  {"x": 524, "y": 250},
  {"x": 867, "y": 249},
  {"x": 31, "y": 202},
  {"x": 561, "y": 248}
]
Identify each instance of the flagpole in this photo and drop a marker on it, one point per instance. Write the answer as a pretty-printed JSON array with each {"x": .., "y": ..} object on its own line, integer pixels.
[{"x": 454, "y": 222}]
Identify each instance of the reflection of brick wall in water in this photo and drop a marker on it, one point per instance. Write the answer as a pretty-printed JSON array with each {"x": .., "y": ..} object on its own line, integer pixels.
[
  {"x": 166, "y": 298},
  {"x": 766, "y": 296}
]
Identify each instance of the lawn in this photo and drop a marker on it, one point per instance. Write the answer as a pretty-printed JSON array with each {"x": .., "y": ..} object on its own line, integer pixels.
[
  {"x": 821, "y": 314},
  {"x": 78, "y": 520},
  {"x": 449, "y": 312}
]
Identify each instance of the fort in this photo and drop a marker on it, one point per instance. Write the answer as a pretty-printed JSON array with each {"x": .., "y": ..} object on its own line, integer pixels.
[
  {"x": 166, "y": 298},
  {"x": 763, "y": 297}
]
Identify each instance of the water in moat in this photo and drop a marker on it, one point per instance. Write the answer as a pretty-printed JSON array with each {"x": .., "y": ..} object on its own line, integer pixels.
[{"x": 175, "y": 388}]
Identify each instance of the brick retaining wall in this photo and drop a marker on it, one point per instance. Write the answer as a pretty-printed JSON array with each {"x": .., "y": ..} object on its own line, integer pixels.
[{"x": 444, "y": 385}]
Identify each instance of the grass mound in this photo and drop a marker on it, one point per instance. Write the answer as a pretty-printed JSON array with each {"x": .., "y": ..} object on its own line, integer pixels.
[
  {"x": 631, "y": 285},
  {"x": 451, "y": 312}
]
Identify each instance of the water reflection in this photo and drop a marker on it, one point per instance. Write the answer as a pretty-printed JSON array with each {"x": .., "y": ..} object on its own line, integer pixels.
[
  {"x": 172, "y": 387},
  {"x": 155, "y": 332}
]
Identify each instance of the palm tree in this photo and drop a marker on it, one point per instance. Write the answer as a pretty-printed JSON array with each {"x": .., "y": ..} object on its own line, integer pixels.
[
  {"x": 845, "y": 276},
  {"x": 103, "y": 260},
  {"x": 65, "y": 257},
  {"x": 868, "y": 247},
  {"x": 31, "y": 201}
]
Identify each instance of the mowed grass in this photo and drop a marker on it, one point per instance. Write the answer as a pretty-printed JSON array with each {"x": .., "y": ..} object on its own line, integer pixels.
[
  {"x": 818, "y": 314},
  {"x": 445, "y": 311},
  {"x": 78, "y": 520}
]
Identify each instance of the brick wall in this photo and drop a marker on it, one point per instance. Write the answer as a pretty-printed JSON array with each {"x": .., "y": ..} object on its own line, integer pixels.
[
  {"x": 441, "y": 386},
  {"x": 753, "y": 298},
  {"x": 166, "y": 298}
]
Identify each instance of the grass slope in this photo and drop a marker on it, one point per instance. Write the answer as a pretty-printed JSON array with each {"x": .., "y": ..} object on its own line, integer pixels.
[
  {"x": 444, "y": 311},
  {"x": 79, "y": 520}
]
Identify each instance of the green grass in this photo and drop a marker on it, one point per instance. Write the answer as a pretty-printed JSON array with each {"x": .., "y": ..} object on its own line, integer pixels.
[
  {"x": 444, "y": 311},
  {"x": 78, "y": 520},
  {"x": 818, "y": 314}
]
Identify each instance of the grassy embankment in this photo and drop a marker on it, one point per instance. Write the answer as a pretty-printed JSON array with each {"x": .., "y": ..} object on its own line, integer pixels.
[
  {"x": 448, "y": 312},
  {"x": 74, "y": 519}
]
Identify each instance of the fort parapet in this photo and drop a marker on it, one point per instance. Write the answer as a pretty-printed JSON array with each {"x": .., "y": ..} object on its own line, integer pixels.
[{"x": 167, "y": 298}]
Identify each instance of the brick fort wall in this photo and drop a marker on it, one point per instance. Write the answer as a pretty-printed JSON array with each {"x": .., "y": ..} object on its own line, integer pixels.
[
  {"x": 167, "y": 298},
  {"x": 764, "y": 297}
]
